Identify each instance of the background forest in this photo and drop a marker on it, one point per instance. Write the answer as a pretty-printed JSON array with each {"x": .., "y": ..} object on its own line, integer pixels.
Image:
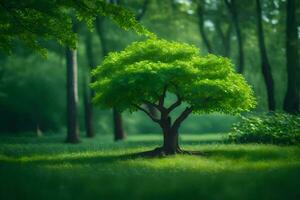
[
  {"x": 168, "y": 59},
  {"x": 32, "y": 86}
]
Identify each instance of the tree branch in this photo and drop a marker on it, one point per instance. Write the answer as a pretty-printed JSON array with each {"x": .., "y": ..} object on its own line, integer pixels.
[
  {"x": 145, "y": 111},
  {"x": 152, "y": 104},
  {"x": 182, "y": 117},
  {"x": 174, "y": 105},
  {"x": 162, "y": 97}
]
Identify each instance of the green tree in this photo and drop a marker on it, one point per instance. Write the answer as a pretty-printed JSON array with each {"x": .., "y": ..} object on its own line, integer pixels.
[
  {"x": 30, "y": 21},
  {"x": 231, "y": 5},
  {"x": 265, "y": 63},
  {"x": 145, "y": 72},
  {"x": 291, "y": 101},
  {"x": 87, "y": 93}
]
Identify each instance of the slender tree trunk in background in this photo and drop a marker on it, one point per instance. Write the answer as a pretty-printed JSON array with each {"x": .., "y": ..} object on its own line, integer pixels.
[
  {"x": 291, "y": 101},
  {"x": 231, "y": 6},
  {"x": 265, "y": 65},
  {"x": 200, "y": 13},
  {"x": 142, "y": 11},
  {"x": 119, "y": 133},
  {"x": 88, "y": 93},
  {"x": 227, "y": 42},
  {"x": 72, "y": 96},
  {"x": 225, "y": 38}
]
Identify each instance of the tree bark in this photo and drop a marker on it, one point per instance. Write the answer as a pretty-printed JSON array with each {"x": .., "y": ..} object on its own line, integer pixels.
[
  {"x": 265, "y": 65},
  {"x": 72, "y": 96},
  {"x": 235, "y": 20},
  {"x": 171, "y": 144},
  {"x": 291, "y": 101},
  {"x": 170, "y": 131},
  {"x": 118, "y": 126},
  {"x": 88, "y": 93}
]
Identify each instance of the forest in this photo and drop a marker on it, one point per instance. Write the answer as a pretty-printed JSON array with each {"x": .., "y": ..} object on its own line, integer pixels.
[{"x": 149, "y": 99}]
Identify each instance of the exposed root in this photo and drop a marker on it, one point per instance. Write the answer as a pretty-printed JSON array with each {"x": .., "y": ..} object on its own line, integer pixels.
[{"x": 161, "y": 152}]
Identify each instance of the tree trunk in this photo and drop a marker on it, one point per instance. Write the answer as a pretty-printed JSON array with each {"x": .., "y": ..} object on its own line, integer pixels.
[
  {"x": 171, "y": 145},
  {"x": 291, "y": 101},
  {"x": 88, "y": 110},
  {"x": 235, "y": 20},
  {"x": 265, "y": 65},
  {"x": 72, "y": 96},
  {"x": 118, "y": 126},
  {"x": 88, "y": 93},
  {"x": 225, "y": 38}
]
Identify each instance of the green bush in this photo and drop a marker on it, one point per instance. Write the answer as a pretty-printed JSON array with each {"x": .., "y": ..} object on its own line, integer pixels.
[{"x": 275, "y": 128}]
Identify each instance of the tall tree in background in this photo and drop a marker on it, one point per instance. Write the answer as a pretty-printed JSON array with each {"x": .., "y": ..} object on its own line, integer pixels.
[
  {"x": 119, "y": 133},
  {"x": 200, "y": 14},
  {"x": 72, "y": 96},
  {"x": 291, "y": 101},
  {"x": 225, "y": 35},
  {"x": 88, "y": 94},
  {"x": 72, "y": 91},
  {"x": 265, "y": 65},
  {"x": 231, "y": 6}
]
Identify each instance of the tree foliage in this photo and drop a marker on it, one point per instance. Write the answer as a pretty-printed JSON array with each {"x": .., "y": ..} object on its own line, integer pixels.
[
  {"x": 142, "y": 72},
  {"x": 31, "y": 21}
]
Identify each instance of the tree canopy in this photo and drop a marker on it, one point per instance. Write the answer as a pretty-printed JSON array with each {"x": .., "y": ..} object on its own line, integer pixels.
[
  {"x": 142, "y": 72},
  {"x": 31, "y": 21}
]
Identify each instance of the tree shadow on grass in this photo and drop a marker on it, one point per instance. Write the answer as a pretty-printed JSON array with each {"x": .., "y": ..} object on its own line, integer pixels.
[
  {"x": 253, "y": 154},
  {"x": 215, "y": 154}
]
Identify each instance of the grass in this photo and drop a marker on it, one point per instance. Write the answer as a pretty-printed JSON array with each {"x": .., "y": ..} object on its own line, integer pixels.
[{"x": 45, "y": 168}]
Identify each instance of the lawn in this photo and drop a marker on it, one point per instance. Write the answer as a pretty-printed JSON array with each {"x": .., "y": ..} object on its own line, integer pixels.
[{"x": 45, "y": 168}]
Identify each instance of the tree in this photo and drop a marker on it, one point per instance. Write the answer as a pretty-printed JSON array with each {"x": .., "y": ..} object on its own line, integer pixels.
[
  {"x": 200, "y": 13},
  {"x": 214, "y": 12},
  {"x": 88, "y": 94},
  {"x": 231, "y": 5},
  {"x": 30, "y": 21},
  {"x": 146, "y": 72},
  {"x": 119, "y": 133},
  {"x": 265, "y": 64},
  {"x": 72, "y": 96},
  {"x": 291, "y": 101}
]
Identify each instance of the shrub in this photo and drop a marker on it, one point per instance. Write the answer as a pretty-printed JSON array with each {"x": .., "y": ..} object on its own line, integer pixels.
[{"x": 275, "y": 128}]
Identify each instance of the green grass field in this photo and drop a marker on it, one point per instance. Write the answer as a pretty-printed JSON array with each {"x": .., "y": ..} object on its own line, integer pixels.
[{"x": 45, "y": 168}]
